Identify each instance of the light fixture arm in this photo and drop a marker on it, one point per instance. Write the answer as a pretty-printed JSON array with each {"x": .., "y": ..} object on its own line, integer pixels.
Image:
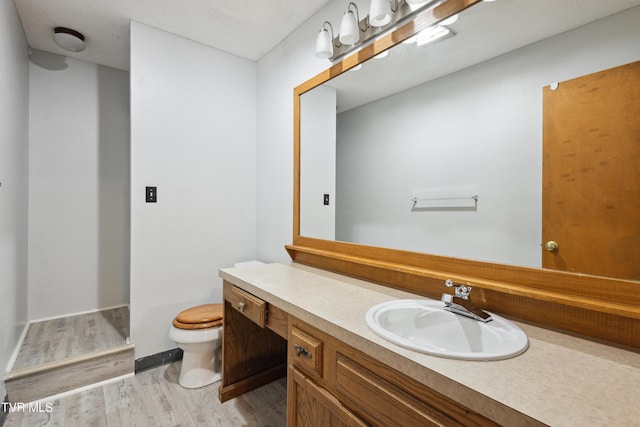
[
  {"x": 365, "y": 21},
  {"x": 335, "y": 40},
  {"x": 324, "y": 27}
]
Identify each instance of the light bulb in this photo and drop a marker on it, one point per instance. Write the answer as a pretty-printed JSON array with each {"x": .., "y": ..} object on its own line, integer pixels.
[
  {"x": 379, "y": 13},
  {"x": 324, "y": 44},
  {"x": 349, "y": 31}
]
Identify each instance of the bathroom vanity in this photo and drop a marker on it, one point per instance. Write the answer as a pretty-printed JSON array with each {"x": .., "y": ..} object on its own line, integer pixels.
[{"x": 309, "y": 324}]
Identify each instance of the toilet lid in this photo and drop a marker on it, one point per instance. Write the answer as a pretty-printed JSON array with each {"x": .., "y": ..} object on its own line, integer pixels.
[
  {"x": 205, "y": 325},
  {"x": 206, "y": 313}
]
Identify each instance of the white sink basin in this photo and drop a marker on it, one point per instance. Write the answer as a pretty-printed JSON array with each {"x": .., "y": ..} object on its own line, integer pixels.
[{"x": 423, "y": 325}]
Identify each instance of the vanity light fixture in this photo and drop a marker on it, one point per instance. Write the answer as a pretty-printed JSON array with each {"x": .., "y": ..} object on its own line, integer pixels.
[
  {"x": 380, "y": 11},
  {"x": 350, "y": 26},
  {"x": 324, "y": 41},
  {"x": 354, "y": 32},
  {"x": 68, "y": 39}
]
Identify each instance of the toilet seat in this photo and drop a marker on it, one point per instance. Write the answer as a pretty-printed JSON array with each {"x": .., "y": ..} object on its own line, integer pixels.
[{"x": 200, "y": 317}]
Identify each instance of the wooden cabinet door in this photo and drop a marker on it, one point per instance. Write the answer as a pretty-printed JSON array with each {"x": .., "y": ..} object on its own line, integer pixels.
[
  {"x": 252, "y": 355},
  {"x": 309, "y": 405},
  {"x": 591, "y": 174}
]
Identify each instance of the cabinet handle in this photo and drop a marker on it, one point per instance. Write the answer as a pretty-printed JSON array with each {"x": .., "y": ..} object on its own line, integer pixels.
[
  {"x": 241, "y": 305},
  {"x": 301, "y": 351}
]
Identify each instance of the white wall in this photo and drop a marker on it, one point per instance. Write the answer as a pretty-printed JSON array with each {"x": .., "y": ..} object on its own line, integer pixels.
[
  {"x": 491, "y": 111},
  {"x": 14, "y": 115},
  {"x": 318, "y": 163},
  {"x": 193, "y": 135},
  {"x": 78, "y": 186},
  {"x": 286, "y": 66}
]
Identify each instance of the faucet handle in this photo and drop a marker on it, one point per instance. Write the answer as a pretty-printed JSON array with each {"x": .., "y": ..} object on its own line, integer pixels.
[{"x": 462, "y": 290}]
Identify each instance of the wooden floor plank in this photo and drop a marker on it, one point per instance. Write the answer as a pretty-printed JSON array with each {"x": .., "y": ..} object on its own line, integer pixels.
[
  {"x": 58, "y": 339},
  {"x": 86, "y": 408},
  {"x": 123, "y": 404},
  {"x": 154, "y": 398},
  {"x": 45, "y": 414}
]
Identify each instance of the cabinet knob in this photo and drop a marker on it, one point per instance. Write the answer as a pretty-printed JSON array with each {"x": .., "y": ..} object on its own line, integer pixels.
[
  {"x": 241, "y": 305},
  {"x": 301, "y": 351},
  {"x": 551, "y": 246}
]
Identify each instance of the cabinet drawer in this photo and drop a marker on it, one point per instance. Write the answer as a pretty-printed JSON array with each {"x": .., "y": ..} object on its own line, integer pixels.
[
  {"x": 305, "y": 351},
  {"x": 382, "y": 403},
  {"x": 251, "y": 306}
]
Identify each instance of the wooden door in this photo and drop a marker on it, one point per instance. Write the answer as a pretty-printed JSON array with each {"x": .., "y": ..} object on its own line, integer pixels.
[
  {"x": 309, "y": 405},
  {"x": 591, "y": 174}
]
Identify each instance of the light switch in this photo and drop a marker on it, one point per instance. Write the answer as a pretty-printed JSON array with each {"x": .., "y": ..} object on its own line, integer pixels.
[{"x": 152, "y": 194}]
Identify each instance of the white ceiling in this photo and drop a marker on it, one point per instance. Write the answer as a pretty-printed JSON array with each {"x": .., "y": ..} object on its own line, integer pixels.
[
  {"x": 247, "y": 28},
  {"x": 251, "y": 28}
]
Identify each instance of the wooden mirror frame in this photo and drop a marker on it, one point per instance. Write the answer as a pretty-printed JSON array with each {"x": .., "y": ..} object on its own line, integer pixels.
[{"x": 599, "y": 307}]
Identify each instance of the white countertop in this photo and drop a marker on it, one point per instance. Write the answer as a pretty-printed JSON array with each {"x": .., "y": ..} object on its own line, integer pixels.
[{"x": 561, "y": 380}]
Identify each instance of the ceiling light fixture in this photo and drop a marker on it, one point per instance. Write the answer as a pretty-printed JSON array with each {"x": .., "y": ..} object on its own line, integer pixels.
[{"x": 68, "y": 39}]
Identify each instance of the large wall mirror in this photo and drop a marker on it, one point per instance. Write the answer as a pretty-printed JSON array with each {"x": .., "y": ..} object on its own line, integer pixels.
[{"x": 436, "y": 146}]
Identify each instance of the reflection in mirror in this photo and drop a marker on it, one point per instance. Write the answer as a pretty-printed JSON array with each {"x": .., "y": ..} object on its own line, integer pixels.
[{"x": 450, "y": 120}]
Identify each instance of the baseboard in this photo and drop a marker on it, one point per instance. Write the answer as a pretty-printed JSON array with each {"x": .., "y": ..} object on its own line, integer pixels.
[
  {"x": 78, "y": 313},
  {"x": 16, "y": 350},
  {"x": 5, "y": 410},
  {"x": 158, "y": 359}
]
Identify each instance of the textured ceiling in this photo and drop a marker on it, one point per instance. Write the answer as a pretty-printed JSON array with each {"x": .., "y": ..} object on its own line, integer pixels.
[
  {"x": 247, "y": 28},
  {"x": 251, "y": 28}
]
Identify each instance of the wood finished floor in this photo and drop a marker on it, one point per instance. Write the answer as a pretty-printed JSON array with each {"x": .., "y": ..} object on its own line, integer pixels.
[
  {"x": 58, "y": 339},
  {"x": 154, "y": 398}
]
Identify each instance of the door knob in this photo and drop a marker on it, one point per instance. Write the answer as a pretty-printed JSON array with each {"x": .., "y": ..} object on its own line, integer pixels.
[{"x": 551, "y": 246}]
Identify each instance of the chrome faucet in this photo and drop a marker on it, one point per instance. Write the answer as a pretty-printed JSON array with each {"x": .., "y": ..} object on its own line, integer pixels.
[{"x": 460, "y": 304}]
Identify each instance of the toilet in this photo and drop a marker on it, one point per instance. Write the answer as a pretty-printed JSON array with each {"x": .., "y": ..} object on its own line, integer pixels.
[{"x": 198, "y": 332}]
